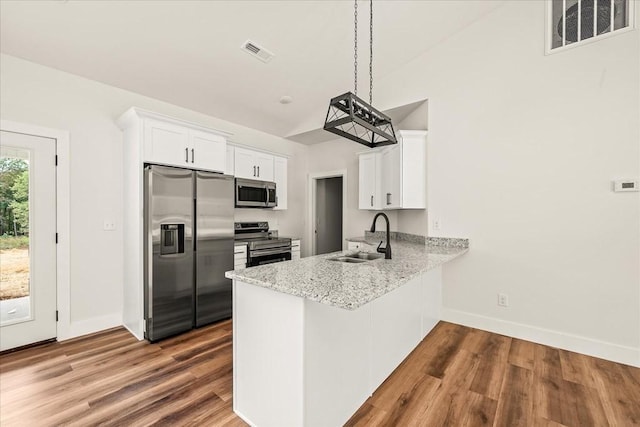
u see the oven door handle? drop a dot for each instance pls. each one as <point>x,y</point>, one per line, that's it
<point>263,252</point>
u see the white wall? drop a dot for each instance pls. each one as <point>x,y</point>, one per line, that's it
<point>342,154</point>
<point>43,96</point>
<point>522,151</point>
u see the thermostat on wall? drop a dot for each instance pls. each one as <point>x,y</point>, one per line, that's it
<point>625,185</point>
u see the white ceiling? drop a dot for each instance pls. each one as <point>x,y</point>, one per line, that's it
<point>188,52</point>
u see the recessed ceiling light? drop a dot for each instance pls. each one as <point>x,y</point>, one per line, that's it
<point>286,99</point>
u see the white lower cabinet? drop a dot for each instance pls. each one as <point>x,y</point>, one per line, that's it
<point>396,327</point>
<point>323,361</point>
<point>295,249</point>
<point>239,257</point>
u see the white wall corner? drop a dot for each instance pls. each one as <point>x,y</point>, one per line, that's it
<point>579,344</point>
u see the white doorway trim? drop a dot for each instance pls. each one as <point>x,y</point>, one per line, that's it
<point>311,208</point>
<point>63,288</point>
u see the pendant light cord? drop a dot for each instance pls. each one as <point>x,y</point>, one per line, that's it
<point>355,50</point>
<point>370,52</point>
<point>355,47</point>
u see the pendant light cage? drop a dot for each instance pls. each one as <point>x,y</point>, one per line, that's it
<point>350,116</point>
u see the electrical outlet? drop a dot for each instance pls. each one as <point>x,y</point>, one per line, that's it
<point>436,224</point>
<point>503,300</point>
<point>109,225</point>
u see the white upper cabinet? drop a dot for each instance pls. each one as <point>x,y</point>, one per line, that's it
<point>166,143</point>
<point>369,181</point>
<point>230,167</point>
<point>394,176</point>
<point>391,159</point>
<point>264,166</point>
<point>175,145</point>
<point>253,164</point>
<point>280,178</point>
<point>208,151</point>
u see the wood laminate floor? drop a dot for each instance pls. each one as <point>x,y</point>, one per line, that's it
<point>457,376</point>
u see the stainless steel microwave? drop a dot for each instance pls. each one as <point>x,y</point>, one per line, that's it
<point>251,193</point>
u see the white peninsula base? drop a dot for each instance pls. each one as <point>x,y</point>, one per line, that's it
<point>298,362</point>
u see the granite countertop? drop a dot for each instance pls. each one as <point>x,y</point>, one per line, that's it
<point>347,285</point>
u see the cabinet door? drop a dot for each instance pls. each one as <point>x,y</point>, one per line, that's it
<point>230,166</point>
<point>244,164</point>
<point>280,178</point>
<point>264,164</point>
<point>414,170</point>
<point>369,181</point>
<point>391,159</point>
<point>208,151</point>
<point>165,143</point>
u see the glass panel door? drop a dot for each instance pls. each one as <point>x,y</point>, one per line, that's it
<point>27,239</point>
<point>15,263</point>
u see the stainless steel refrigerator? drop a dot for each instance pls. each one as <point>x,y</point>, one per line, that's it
<point>188,247</point>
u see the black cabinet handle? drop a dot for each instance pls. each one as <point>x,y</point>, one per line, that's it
<point>371,201</point>
<point>186,155</point>
<point>193,155</point>
<point>388,198</point>
<point>254,171</point>
<point>258,171</point>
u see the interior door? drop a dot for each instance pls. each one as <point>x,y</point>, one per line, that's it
<point>28,243</point>
<point>328,215</point>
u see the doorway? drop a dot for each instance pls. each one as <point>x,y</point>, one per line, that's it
<point>27,239</point>
<point>327,206</point>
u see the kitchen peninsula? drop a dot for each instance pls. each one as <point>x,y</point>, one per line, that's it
<point>314,338</point>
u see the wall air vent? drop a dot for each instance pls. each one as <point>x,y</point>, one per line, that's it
<point>256,51</point>
<point>576,22</point>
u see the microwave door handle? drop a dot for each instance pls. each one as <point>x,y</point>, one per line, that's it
<point>266,194</point>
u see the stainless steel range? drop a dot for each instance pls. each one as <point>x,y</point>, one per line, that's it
<point>262,246</point>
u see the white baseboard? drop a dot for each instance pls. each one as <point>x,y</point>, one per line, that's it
<point>575,343</point>
<point>92,325</point>
<point>134,333</point>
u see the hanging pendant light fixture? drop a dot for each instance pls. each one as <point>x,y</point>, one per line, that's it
<point>350,116</point>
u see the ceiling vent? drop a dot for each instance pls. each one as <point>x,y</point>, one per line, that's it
<point>256,51</point>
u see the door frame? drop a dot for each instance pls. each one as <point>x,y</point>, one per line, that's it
<point>63,288</point>
<point>311,208</point>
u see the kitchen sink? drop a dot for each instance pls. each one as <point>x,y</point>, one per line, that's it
<point>347,259</point>
<point>369,256</point>
<point>357,258</point>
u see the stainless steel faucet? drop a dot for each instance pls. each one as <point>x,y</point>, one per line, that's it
<point>386,250</point>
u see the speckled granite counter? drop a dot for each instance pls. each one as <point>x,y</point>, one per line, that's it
<point>346,285</point>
